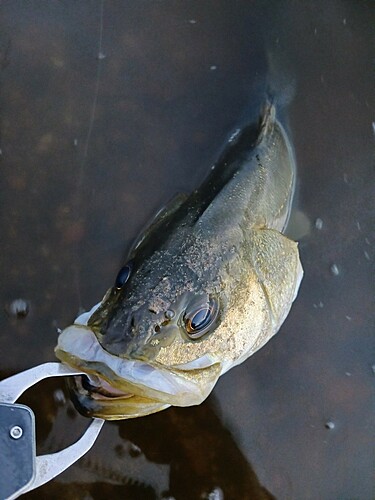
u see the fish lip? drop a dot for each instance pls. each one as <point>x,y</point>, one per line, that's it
<point>83,318</point>
<point>98,388</point>
<point>79,347</point>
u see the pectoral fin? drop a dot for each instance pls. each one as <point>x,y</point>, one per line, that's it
<point>279,270</point>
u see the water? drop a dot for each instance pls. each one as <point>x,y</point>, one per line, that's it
<point>108,110</point>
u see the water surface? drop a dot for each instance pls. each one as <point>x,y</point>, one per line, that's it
<point>109,109</point>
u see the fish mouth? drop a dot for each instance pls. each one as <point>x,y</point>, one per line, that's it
<point>119,388</point>
<point>95,397</point>
<point>99,388</point>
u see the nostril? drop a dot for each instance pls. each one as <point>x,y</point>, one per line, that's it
<point>157,328</point>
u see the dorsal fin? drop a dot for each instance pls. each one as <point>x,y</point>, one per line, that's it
<point>171,207</point>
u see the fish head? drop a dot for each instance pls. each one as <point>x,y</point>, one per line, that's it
<point>166,335</point>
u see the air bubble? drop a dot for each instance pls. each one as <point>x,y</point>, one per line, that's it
<point>319,305</point>
<point>318,223</point>
<point>169,314</point>
<point>216,494</point>
<point>329,425</point>
<point>334,270</point>
<point>18,308</point>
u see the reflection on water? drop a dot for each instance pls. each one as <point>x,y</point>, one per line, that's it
<point>105,114</point>
<point>180,453</point>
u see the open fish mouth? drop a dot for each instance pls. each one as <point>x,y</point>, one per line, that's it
<point>99,389</point>
<point>95,397</point>
<point>119,388</point>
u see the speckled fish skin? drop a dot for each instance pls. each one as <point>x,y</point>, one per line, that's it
<point>223,245</point>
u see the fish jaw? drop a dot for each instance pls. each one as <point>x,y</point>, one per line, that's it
<point>92,404</point>
<point>121,388</point>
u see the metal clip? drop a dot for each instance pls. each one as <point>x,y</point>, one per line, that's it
<point>45,467</point>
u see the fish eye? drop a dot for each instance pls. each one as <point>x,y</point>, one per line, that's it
<point>123,276</point>
<point>198,320</point>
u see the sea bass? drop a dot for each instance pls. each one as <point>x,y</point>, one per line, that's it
<point>208,284</point>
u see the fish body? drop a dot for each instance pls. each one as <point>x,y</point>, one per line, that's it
<point>209,283</point>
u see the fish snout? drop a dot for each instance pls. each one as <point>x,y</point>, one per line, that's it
<point>115,332</point>
<point>136,335</point>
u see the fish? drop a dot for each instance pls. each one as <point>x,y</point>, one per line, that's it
<point>206,286</point>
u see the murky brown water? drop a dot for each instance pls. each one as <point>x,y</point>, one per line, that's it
<point>104,115</point>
